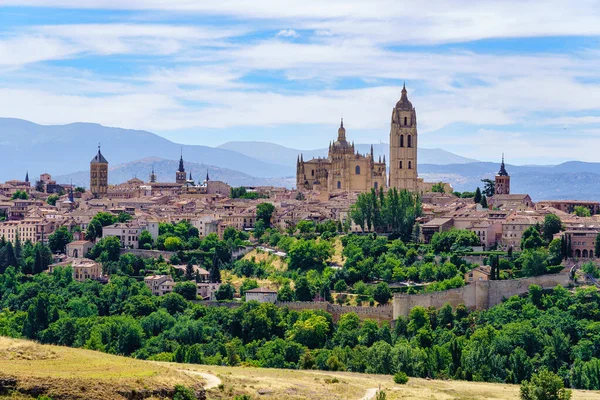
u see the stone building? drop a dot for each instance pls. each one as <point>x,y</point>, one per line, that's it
<point>99,175</point>
<point>344,169</point>
<point>502,181</point>
<point>403,145</point>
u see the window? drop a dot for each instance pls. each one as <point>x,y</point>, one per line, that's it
<point>339,185</point>
<point>375,185</point>
<point>312,172</point>
<point>401,140</point>
<point>410,165</point>
<point>405,121</point>
<point>357,170</point>
<point>409,140</point>
<point>400,164</point>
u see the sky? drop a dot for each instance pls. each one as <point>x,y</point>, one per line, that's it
<point>485,77</point>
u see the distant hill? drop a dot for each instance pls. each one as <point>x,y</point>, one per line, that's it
<point>165,171</point>
<point>570,180</point>
<point>62,149</point>
<point>277,154</point>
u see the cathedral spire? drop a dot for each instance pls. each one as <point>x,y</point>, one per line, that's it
<point>27,177</point>
<point>372,152</point>
<point>181,168</point>
<point>342,132</point>
<point>502,171</point>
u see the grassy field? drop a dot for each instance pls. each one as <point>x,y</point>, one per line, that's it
<point>81,374</point>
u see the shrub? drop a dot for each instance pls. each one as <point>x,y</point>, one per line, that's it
<point>400,378</point>
<point>380,395</point>
<point>544,385</point>
<point>183,393</point>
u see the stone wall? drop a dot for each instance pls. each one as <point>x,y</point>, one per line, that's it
<point>379,314</point>
<point>149,253</point>
<point>479,295</point>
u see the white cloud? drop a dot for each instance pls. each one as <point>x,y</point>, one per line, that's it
<point>289,33</point>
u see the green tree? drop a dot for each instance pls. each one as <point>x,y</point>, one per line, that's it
<point>173,243</point>
<point>186,289</point>
<point>438,187</point>
<point>544,385</point>
<point>534,262</point>
<point>215,269</point>
<point>145,240</point>
<point>304,292</point>
<point>582,211</point>
<point>285,293</point>
<point>248,284</point>
<point>484,202</point>
<point>52,199</point>
<point>225,292</point>
<point>94,230</point>
<point>555,254</point>
<point>264,212</point>
<point>531,239</point>
<point>310,330</point>
<point>382,293</point>
<point>552,225</point>
<point>477,197</point>
<point>20,195</point>
<point>489,188</point>
<point>308,254</point>
<point>259,229</point>
<point>59,239</point>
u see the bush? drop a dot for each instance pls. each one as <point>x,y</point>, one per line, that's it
<point>183,393</point>
<point>544,385</point>
<point>400,378</point>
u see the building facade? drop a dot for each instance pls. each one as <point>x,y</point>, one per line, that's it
<point>344,169</point>
<point>403,145</point>
<point>99,175</point>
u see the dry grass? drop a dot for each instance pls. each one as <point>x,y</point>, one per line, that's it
<point>77,373</point>
<point>337,257</point>
<point>276,262</point>
<point>92,375</point>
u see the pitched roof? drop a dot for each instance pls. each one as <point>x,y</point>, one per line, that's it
<point>99,159</point>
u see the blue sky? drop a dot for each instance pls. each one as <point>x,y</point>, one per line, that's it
<point>485,77</point>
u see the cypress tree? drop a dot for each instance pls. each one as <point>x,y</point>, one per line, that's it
<point>215,272</point>
<point>484,203</point>
<point>477,197</point>
<point>9,255</point>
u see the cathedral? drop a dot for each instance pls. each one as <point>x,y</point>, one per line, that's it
<point>344,169</point>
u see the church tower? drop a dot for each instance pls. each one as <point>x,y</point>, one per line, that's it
<point>403,145</point>
<point>180,176</point>
<point>152,176</point>
<point>502,185</point>
<point>99,175</point>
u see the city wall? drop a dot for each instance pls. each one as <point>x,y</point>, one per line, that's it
<point>478,295</point>
<point>149,253</point>
<point>379,314</point>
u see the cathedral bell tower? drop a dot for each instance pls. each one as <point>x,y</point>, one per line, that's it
<point>180,176</point>
<point>403,145</point>
<point>99,175</point>
<point>502,181</point>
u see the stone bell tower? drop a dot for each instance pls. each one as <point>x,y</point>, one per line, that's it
<point>403,145</point>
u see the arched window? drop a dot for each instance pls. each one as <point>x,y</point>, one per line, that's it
<point>585,253</point>
<point>339,185</point>
<point>591,253</point>
<point>409,141</point>
<point>400,164</point>
<point>357,170</point>
<point>405,121</point>
<point>410,165</point>
<point>401,140</point>
<point>375,185</point>
<point>578,253</point>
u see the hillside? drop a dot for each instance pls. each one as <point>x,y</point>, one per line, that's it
<point>62,149</point>
<point>68,373</point>
<point>571,180</point>
<point>277,154</point>
<point>165,171</point>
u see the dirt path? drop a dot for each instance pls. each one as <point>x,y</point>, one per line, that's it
<point>370,395</point>
<point>212,381</point>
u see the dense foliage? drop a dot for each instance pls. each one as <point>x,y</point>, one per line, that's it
<point>554,330</point>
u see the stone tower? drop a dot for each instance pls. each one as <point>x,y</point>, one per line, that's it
<point>502,185</point>
<point>152,176</point>
<point>99,175</point>
<point>180,176</point>
<point>403,145</point>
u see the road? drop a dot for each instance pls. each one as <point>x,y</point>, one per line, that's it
<point>212,381</point>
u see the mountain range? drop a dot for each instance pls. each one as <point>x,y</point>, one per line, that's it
<point>65,151</point>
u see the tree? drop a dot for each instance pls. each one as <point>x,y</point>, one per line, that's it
<point>534,262</point>
<point>308,254</point>
<point>189,271</point>
<point>382,293</point>
<point>531,239</point>
<point>285,293</point>
<point>20,195</point>
<point>304,291</point>
<point>94,230</point>
<point>477,197</point>
<point>484,202</point>
<point>552,225</point>
<point>416,233</point>
<point>59,239</point>
<point>264,212</point>
<point>259,229</point>
<point>186,289</point>
<point>145,240</point>
<point>124,217</point>
<point>52,199</point>
<point>215,271</point>
<point>582,211</point>
<point>225,292</point>
<point>438,187</point>
<point>555,252</point>
<point>39,186</point>
<point>489,188</point>
<point>173,243</point>
<point>544,385</point>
